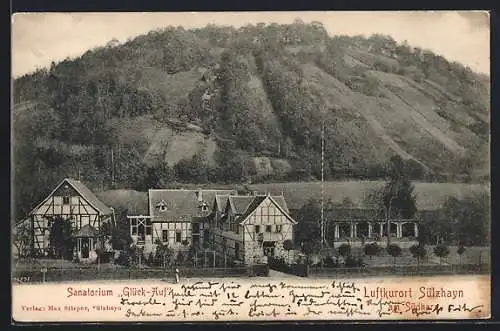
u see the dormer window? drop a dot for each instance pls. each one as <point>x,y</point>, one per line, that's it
<point>162,206</point>
<point>204,206</point>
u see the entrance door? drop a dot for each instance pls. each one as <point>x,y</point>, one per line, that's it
<point>269,248</point>
<point>141,233</point>
<point>85,248</point>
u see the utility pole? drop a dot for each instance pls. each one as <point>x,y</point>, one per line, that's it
<point>322,183</point>
<point>112,167</point>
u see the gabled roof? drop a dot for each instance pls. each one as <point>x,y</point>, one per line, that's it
<point>181,204</point>
<point>257,201</point>
<point>220,201</point>
<point>134,202</point>
<point>89,196</point>
<point>84,192</point>
<point>240,203</point>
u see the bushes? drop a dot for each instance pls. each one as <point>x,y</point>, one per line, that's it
<point>344,250</point>
<point>441,251</point>
<point>104,256</point>
<point>352,262</point>
<point>394,251</point>
<point>418,252</point>
<point>123,259</point>
<point>372,249</point>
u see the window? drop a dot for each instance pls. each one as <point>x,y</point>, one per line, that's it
<point>204,207</point>
<point>133,226</point>
<point>162,206</point>
<point>278,228</point>
<point>66,200</point>
<point>164,234</point>
<point>178,236</point>
<point>148,226</point>
<point>257,229</point>
<point>196,228</point>
<point>268,228</point>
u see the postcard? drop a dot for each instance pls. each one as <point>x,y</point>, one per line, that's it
<point>250,166</point>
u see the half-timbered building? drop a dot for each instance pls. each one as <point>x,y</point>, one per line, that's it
<point>177,217</point>
<point>248,228</point>
<point>71,200</point>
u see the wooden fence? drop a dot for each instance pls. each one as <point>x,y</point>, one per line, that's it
<point>93,273</point>
<point>401,270</point>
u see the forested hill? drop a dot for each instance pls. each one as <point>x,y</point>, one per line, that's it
<point>223,104</point>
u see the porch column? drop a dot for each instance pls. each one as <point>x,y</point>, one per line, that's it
<point>415,229</point>
<point>337,231</point>
<point>369,229</point>
<point>381,229</point>
<point>398,230</point>
<point>351,232</point>
<point>355,227</point>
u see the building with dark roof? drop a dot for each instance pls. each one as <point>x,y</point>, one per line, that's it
<point>70,200</point>
<point>248,228</point>
<point>176,217</point>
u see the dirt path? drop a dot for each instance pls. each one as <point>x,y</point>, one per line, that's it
<point>273,274</point>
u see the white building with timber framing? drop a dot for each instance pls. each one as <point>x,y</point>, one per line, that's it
<point>73,201</point>
<point>177,217</point>
<point>247,228</point>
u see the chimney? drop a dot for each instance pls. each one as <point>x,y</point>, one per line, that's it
<point>199,194</point>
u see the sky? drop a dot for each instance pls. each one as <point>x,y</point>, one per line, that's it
<point>40,38</point>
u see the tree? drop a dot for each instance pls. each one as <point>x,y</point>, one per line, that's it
<point>120,234</point>
<point>288,246</point>
<point>372,249</point>
<point>163,254</point>
<point>394,251</point>
<point>22,239</point>
<point>460,251</point>
<point>465,221</point>
<point>181,258</point>
<point>418,252</point>
<point>344,250</point>
<point>441,251</point>
<point>193,170</point>
<point>60,240</point>
<point>136,255</point>
<point>397,198</point>
<point>308,229</point>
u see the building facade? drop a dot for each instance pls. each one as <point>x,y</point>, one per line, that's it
<point>71,200</point>
<point>248,228</point>
<point>359,226</point>
<point>177,217</point>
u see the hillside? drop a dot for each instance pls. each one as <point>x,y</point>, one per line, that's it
<point>349,194</point>
<point>221,105</point>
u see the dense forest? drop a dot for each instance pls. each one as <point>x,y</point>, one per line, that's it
<point>220,104</point>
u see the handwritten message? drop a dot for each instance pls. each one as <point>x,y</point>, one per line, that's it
<point>255,299</point>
